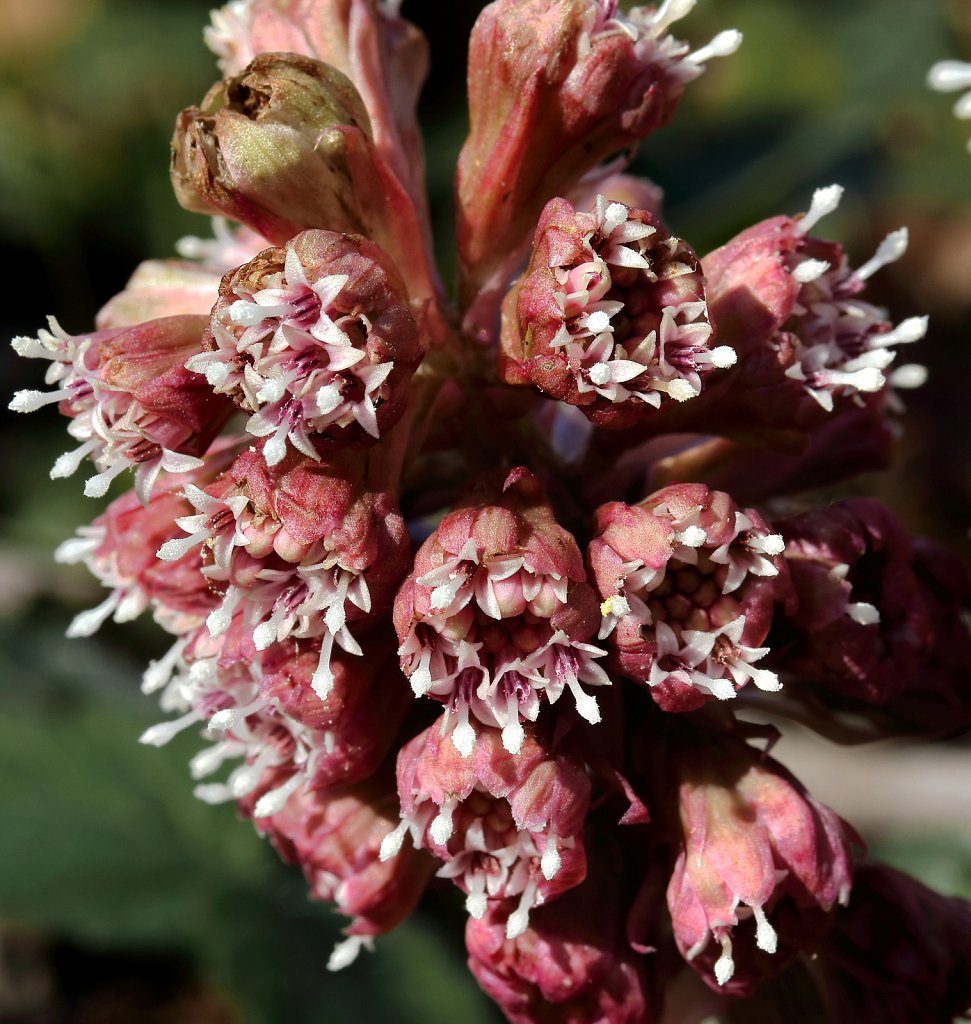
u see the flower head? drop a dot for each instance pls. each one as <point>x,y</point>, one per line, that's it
<point>315,341</point>
<point>496,617</point>
<point>507,827</point>
<point>688,581</point>
<point>610,314</point>
<point>131,402</point>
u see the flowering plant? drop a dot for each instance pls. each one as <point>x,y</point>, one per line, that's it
<point>389,531</point>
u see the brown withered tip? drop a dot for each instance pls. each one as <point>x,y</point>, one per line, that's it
<point>264,147</point>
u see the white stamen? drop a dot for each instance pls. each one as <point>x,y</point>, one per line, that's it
<point>771,544</point>
<point>67,464</point>
<point>275,800</point>
<point>159,672</point>
<point>31,401</point>
<point>89,622</point>
<point>587,707</point>
<point>442,829</point>
<point>345,953</point>
<point>599,374</point>
<point>518,920</point>
<point>681,390</point>
<point>912,329</point>
<point>213,793</point>
<point>692,537</point>
<point>550,862</point>
<point>393,841</point>
<point>208,760</point>
<point>911,375</point>
<point>949,76</point>
<point>670,12</point>
<point>598,321</point>
<point>825,201</point>
<point>475,904</point>
<point>723,356</point>
<point>724,44</point>
<point>962,109</point>
<point>864,613</point>
<point>724,965</point>
<point>888,251</point>
<point>513,734</point>
<point>463,738</point>
<point>230,718</point>
<point>174,549</point>
<point>616,604</point>
<point>809,270</point>
<point>765,935</point>
<point>159,735</point>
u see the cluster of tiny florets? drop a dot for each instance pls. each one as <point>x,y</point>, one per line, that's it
<point>476,590</point>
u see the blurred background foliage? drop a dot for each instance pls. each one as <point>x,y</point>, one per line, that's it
<point>121,897</point>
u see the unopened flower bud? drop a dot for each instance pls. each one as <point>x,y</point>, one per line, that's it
<point>753,841</point>
<point>286,145</point>
<point>382,54</point>
<point>610,315</point>
<point>555,87</point>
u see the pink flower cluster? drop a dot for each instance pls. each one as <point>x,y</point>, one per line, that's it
<point>475,591</point>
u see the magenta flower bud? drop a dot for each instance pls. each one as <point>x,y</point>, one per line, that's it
<point>610,315</point>
<point>878,619</point>
<point>689,582</point>
<point>556,87</point>
<point>898,953</point>
<point>131,402</point>
<point>335,838</point>
<point>508,827</point>
<point>286,145</point>
<point>315,341</point>
<point>382,54</point>
<point>497,614</point>
<point>792,307</point>
<point>754,845</point>
<point>572,963</point>
<point>299,551</point>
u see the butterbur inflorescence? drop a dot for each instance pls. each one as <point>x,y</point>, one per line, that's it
<point>428,605</point>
